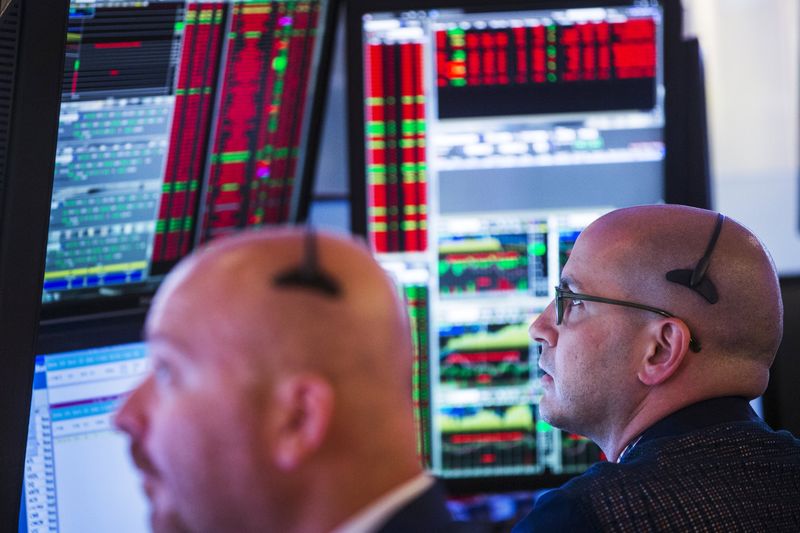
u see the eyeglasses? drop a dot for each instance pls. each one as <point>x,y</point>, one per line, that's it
<point>564,294</point>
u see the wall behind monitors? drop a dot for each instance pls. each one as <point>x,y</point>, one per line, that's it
<point>180,121</point>
<point>483,140</point>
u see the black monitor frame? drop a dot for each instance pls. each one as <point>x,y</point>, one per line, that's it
<point>782,395</point>
<point>139,295</point>
<point>80,333</point>
<point>677,188</point>
<point>31,61</point>
<point>688,171</point>
<point>313,121</point>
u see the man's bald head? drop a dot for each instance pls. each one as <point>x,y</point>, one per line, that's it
<point>634,248</point>
<point>233,286</point>
<point>266,393</point>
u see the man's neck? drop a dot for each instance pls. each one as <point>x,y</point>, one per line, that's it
<point>677,418</point>
<point>643,415</point>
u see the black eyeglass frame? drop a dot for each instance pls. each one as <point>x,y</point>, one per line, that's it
<point>565,294</point>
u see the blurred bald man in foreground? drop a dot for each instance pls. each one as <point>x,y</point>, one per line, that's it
<point>280,394</point>
<point>665,324</point>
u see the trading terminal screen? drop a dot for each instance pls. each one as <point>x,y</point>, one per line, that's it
<point>78,473</point>
<point>180,121</point>
<point>490,138</point>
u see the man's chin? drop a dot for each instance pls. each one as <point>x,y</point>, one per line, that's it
<point>559,419</point>
<point>548,412</point>
<point>166,522</point>
<point>163,516</point>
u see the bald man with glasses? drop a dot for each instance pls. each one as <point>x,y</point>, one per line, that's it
<point>664,326</point>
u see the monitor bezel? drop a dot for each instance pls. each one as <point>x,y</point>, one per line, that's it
<point>308,152</point>
<point>34,55</point>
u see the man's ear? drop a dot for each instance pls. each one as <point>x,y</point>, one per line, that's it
<point>303,410</point>
<point>669,344</point>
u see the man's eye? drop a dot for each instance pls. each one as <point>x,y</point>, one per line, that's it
<point>573,302</point>
<point>163,374</point>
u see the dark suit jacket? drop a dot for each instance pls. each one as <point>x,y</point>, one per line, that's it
<point>426,513</point>
<point>713,466</point>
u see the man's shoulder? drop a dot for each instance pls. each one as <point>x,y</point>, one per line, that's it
<point>723,442</point>
<point>425,513</point>
<point>566,508</point>
<point>730,451</point>
<point>719,473</point>
<point>660,477</point>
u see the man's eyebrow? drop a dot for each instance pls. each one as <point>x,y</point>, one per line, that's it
<point>159,339</point>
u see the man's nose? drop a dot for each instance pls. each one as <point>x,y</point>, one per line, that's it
<point>131,414</point>
<point>543,329</point>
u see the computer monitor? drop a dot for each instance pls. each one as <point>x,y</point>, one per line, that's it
<point>31,56</point>
<point>180,121</point>
<point>79,476</point>
<point>484,138</point>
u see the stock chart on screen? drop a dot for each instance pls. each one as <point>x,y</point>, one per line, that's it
<point>180,121</point>
<point>486,140</point>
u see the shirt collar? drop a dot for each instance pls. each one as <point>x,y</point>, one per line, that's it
<point>379,511</point>
<point>696,416</point>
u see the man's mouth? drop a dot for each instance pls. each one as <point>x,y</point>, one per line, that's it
<point>149,486</point>
<point>149,478</point>
<point>143,463</point>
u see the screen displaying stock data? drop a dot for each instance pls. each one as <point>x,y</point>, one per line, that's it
<point>180,121</point>
<point>78,473</point>
<point>486,140</point>
<point>476,387</point>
